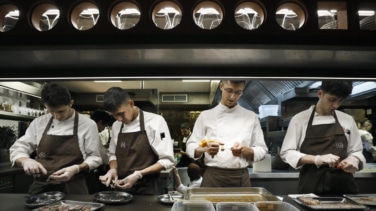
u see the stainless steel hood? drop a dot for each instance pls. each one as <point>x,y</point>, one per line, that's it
<point>274,92</point>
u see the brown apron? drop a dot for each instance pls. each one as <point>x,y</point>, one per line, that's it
<point>221,177</point>
<point>57,152</point>
<point>325,139</point>
<point>133,152</point>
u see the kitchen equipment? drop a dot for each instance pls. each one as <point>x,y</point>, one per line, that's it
<point>43,199</point>
<point>365,199</point>
<point>71,205</point>
<point>169,198</point>
<point>230,194</point>
<point>331,203</point>
<point>238,206</point>
<point>275,206</point>
<point>113,197</point>
<point>199,205</point>
<point>264,165</point>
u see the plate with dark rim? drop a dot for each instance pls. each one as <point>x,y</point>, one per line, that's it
<point>113,197</point>
<point>44,198</point>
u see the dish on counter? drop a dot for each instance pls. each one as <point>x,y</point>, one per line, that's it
<point>275,206</point>
<point>44,198</point>
<point>243,194</point>
<point>171,197</point>
<point>165,198</point>
<point>365,199</point>
<point>328,203</point>
<point>71,205</point>
<point>113,197</point>
<point>235,206</point>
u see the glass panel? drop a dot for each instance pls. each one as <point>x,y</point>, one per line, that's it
<point>332,15</point>
<point>85,16</point>
<point>9,15</point>
<point>125,15</point>
<point>208,15</point>
<point>367,19</point>
<point>249,15</point>
<point>45,17</point>
<point>167,15</point>
<point>290,16</point>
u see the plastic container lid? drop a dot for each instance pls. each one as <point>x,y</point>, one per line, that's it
<point>238,206</point>
<point>275,206</point>
<point>188,205</point>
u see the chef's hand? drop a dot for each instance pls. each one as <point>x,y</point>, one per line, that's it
<point>110,176</point>
<point>214,147</point>
<point>350,164</point>
<point>129,181</point>
<point>64,174</point>
<point>33,168</point>
<point>328,159</point>
<point>237,149</point>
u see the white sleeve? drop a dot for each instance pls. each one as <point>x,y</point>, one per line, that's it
<point>162,144</point>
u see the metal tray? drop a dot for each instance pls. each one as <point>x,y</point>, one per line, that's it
<point>165,198</point>
<point>365,199</point>
<point>43,199</point>
<point>72,205</point>
<point>244,194</point>
<point>333,203</point>
<point>113,197</point>
<point>275,206</point>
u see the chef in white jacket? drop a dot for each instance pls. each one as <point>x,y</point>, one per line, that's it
<point>235,139</point>
<point>325,144</point>
<point>65,142</point>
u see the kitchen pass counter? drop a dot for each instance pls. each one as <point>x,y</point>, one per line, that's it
<point>16,202</point>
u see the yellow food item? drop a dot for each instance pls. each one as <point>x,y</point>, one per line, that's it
<point>203,143</point>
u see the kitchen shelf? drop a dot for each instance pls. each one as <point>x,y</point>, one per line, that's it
<point>12,116</point>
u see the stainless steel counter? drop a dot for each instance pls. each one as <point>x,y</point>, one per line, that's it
<point>15,202</point>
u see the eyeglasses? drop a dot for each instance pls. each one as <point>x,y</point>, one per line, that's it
<point>231,91</point>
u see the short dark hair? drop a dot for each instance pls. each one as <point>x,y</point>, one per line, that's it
<point>55,95</point>
<point>99,114</point>
<point>339,88</point>
<point>234,81</point>
<point>194,171</point>
<point>114,97</point>
<point>184,125</point>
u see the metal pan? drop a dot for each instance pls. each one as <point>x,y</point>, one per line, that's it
<point>71,205</point>
<point>243,194</point>
<point>113,197</point>
<point>333,203</point>
<point>43,199</point>
<point>365,199</point>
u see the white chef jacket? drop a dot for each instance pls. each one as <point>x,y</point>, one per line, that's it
<point>295,134</point>
<point>157,132</point>
<point>87,137</point>
<point>194,184</point>
<point>367,140</point>
<point>228,125</point>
